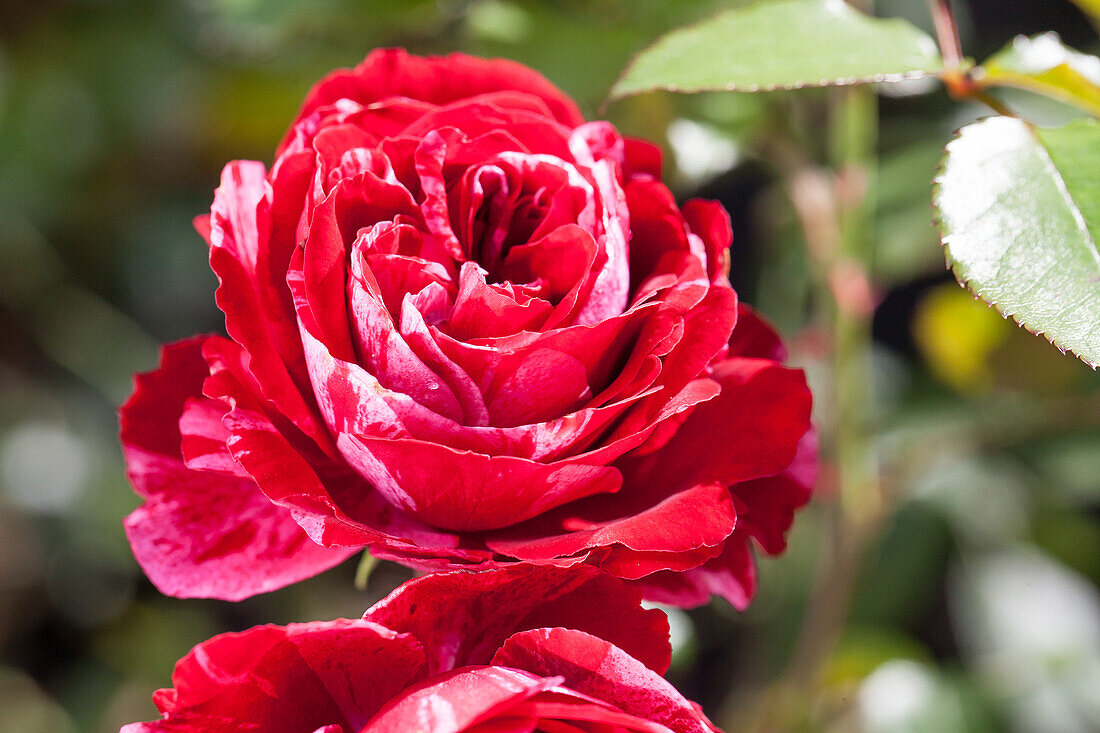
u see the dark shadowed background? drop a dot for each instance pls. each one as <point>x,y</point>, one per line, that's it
<point>976,606</point>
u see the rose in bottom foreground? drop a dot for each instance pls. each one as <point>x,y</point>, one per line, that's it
<point>522,649</point>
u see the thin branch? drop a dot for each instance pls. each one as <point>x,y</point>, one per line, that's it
<point>992,102</point>
<point>957,77</point>
<point>947,33</point>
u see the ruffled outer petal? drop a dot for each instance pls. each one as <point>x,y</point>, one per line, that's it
<point>599,669</point>
<point>730,575</point>
<point>332,503</point>
<point>439,485</point>
<point>393,72</point>
<point>249,253</point>
<point>301,677</point>
<point>765,505</point>
<point>457,700</point>
<point>675,511</point>
<point>682,531</point>
<point>462,618</point>
<point>754,337</point>
<point>765,511</point>
<point>502,700</point>
<point>188,549</point>
<point>750,430</point>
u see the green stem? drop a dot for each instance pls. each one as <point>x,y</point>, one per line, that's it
<point>947,33</point>
<point>992,102</point>
<point>957,76</point>
<point>846,440</point>
<point>854,131</point>
<point>367,564</point>
<point>843,261</point>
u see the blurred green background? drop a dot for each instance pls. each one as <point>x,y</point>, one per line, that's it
<point>975,606</point>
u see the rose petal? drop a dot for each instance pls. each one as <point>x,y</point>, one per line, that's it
<point>203,437</point>
<point>453,701</point>
<point>754,337</point>
<point>462,618</point>
<point>485,310</point>
<point>354,204</point>
<point>730,575</point>
<point>641,158</point>
<point>311,486</point>
<point>750,430</point>
<point>597,668</point>
<point>766,506</point>
<point>248,546</point>
<point>493,364</point>
<point>242,249</point>
<point>468,491</point>
<point>688,527</point>
<point>388,73</point>
<point>711,223</point>
<point>656,227</point>
<point>386,357</point>
<point>300,677</point>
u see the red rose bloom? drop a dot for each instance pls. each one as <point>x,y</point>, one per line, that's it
<point>466,328</point>
<point>506,650</point>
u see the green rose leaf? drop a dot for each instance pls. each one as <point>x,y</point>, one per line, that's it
<point>782,44</point>
<point>1042,64</point>
<point>1019,214</point>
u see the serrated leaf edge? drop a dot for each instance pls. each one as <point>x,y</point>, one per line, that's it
<point>614,95</point>
<point>954,265</point>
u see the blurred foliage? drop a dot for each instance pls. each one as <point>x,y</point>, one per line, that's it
<point>976,603</point>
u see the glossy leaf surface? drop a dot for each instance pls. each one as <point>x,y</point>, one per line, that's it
<point>782,44</point>
<point>1019,213</point>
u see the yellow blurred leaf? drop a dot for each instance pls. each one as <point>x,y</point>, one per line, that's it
<point>1043,64</point>
<point>1091,7</point>
<point>957,335</point>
